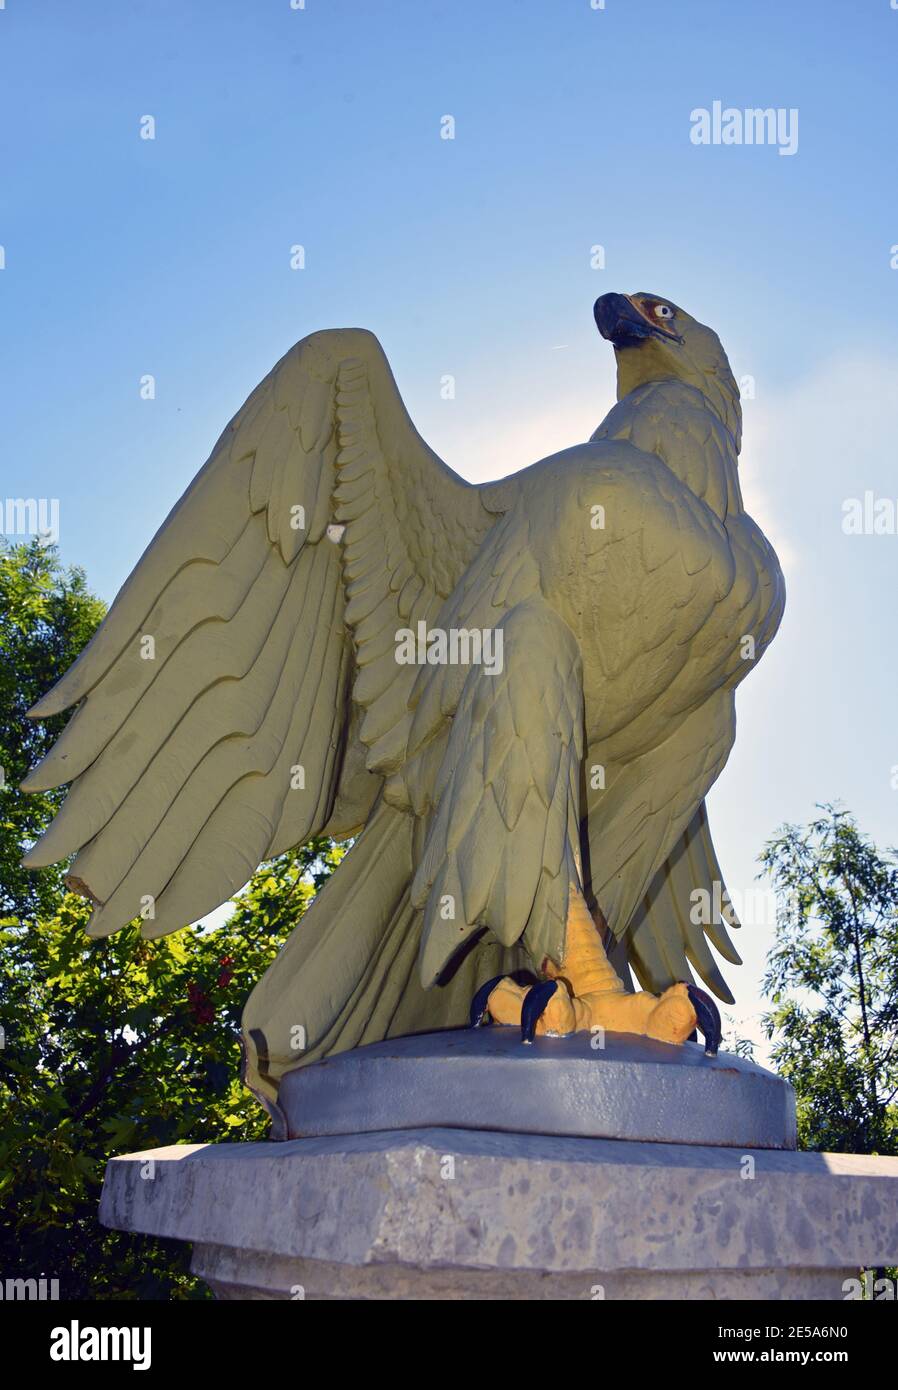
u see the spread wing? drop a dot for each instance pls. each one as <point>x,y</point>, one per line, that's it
<point>238,697</point>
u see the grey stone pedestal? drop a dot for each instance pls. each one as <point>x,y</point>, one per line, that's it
<point>464,1165</point>
<point>448,1213</point>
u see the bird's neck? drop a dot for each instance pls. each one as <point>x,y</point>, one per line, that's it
<point>675,422</point>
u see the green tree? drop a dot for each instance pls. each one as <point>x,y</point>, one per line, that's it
<point>121,1045</point>
<point>832,977</point>
<point>47,616</point>
<point>112,1045</point>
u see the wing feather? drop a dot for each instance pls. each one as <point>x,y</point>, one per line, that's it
<point>498,845</point>
<point>216,701</point>
<point>650,849</point>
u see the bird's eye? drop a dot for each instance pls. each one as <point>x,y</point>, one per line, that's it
<point>663,311</point>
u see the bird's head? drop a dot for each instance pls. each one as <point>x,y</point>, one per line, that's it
<point>655,340</point>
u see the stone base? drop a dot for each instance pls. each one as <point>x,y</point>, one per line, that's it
<point>606,1086</point>
<point>462,1214</point>
<point>248,1275</point>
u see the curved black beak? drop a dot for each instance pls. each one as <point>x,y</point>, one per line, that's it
<point>618,320</point>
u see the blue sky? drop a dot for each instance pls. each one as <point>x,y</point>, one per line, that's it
<point>321,127</point>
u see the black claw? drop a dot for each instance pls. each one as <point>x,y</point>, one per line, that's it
<point>481,998</point>
<point>707,1016</point>
<point>534,1006</point>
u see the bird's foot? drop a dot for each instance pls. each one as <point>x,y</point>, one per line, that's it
<point>552,1008</point>
<point>585,993</point>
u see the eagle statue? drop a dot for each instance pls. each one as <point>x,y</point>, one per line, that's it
<point>301,651</point>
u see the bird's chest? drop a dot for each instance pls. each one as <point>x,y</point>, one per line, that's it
<point>643,675</point>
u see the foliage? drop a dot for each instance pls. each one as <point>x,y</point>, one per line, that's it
<point>46,616</point>
<point>832,977</point>
<point>115,1045</point>
<point>120,1045</point>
